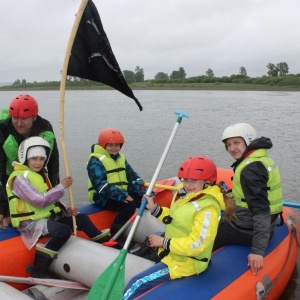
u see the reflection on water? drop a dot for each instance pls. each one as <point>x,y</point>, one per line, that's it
<point>273,114</point>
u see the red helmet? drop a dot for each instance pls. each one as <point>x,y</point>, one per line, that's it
<point>198,167</point>
<point>23,106</point>
<point>110,136</point>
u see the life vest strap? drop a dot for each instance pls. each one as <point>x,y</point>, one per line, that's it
<point>116,170</point>
<point>23,214</point>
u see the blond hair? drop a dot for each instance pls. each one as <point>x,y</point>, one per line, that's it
<point>230,205</point>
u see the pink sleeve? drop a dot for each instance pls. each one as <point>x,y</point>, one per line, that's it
<point>24,190</point>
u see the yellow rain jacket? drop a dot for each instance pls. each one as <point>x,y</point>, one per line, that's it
<point>192,231</point>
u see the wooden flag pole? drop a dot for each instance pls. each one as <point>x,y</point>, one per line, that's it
<point>62,99</point>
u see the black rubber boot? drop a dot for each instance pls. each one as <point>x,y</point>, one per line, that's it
<point>144,249</point>
<point>152,255</point>
<point>42,262</point>
<point>115,228</point>
<point>121,239</point>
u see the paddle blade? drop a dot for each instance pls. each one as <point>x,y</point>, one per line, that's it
<point>67,284</point>
<point>110,284</point>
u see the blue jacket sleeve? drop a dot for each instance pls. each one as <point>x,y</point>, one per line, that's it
<point>132,177</point>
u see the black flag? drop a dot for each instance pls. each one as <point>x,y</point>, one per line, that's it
<point>92,57</point>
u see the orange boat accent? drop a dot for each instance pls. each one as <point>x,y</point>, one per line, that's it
<point>15,258</point>
<point>278,268</point>
<point>226,176</point>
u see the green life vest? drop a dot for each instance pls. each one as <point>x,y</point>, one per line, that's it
<point>20,210</point>
<point>115,170</point>
<point>11,146</point>
<point>273,184</point>
<point>4,114</point>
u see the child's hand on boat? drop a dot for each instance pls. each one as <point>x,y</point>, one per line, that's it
<point>155,240</point>
<point>67,181</point>
<point>255,262</point>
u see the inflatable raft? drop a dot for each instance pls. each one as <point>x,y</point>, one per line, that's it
<point>82,261</point>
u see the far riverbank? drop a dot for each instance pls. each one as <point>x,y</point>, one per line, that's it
<point>151,85</point>
<point>159,88</point>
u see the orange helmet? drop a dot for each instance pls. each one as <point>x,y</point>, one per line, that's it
<point>110,136</point>
<point>23,106</point>
<point>198,167</point>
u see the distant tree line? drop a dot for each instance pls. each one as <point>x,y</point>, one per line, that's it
<point>279,70</point>
<point>136,76</point>
<point>276,75</point>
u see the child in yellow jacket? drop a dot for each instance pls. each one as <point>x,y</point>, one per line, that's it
<point>191,226</point>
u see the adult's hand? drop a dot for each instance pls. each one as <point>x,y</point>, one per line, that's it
<point>255,262</point>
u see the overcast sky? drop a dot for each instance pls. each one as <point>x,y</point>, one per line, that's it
<point>156,35</point>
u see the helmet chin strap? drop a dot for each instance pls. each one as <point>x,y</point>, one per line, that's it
<point>206,184</point>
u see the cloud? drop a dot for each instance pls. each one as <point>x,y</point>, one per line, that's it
<point>158,36</point>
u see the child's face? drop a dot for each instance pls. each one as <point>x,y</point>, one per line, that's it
<point>236,146</point>
<point>36,163</point>
<point>113,149</point>
<point>193,185</point>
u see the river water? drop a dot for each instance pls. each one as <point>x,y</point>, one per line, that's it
<point>86,113</point>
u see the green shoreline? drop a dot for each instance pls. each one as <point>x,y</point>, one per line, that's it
<point>275,89</point>
<point>154,86</point>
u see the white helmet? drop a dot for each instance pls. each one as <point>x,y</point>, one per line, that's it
<point>32,142</point>
<point>243,130</point>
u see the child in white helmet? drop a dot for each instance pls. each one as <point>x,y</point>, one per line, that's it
<point>35,209</point>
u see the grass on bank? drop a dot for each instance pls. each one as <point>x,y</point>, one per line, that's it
<point>211,86</point>
<point>150,84</point>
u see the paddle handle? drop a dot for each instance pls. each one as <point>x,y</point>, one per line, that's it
<point>162,186</point>
<point>158,186</point>
<point>180,114</point>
